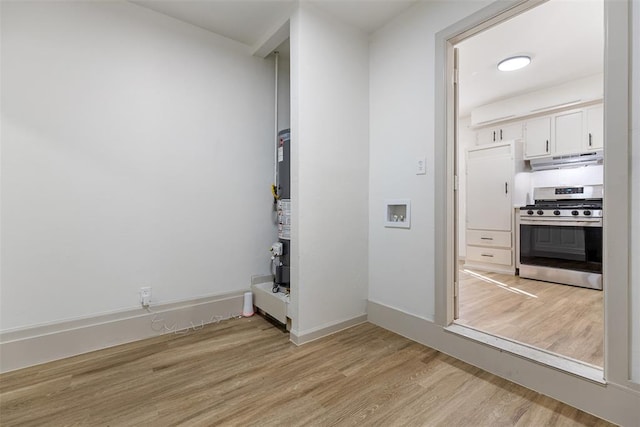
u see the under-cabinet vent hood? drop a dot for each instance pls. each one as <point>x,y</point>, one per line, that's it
<point>568,161</point>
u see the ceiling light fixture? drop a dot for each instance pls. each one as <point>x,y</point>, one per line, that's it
<point>514,63</point>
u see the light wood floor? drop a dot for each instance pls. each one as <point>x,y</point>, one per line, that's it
<point>246,372</point>
<point>563,319</point>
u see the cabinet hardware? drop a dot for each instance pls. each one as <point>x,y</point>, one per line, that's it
<point>494,136</point>
<point>500,134</point>
<point>486,238</point>
<point>547,146</point>
<point>506,188</point>
<point>590,140</point>
<point>487,255</point>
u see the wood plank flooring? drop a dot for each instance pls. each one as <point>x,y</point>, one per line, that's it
<point>245,372</point>
<point>563,319</point>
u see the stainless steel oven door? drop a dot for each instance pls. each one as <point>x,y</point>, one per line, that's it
<point>562,251</point>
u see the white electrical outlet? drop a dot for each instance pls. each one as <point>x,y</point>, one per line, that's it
<point>145,296</point>
<point>421,165</point>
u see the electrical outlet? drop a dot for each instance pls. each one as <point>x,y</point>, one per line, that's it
<point>145,296</point>
<point>421,165</point>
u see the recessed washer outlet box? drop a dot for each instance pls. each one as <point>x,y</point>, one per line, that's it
<point>397,213</point>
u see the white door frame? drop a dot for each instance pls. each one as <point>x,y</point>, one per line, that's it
<point>616,173</point>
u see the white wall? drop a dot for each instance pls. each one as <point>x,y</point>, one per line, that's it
<point>401,262</point>
<point>136,150</point>
<point>329,122</point>
<point>635,197</point>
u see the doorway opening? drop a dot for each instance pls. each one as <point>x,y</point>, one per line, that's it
<point>529,156</point>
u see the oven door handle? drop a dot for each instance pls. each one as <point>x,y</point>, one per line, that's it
<point>560,223</point>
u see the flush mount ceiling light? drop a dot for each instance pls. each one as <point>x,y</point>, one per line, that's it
<point>514,63</point>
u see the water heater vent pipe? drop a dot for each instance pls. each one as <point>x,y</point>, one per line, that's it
<point>275,157</point>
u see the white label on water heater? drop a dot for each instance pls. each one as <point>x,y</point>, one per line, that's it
<point>284,219</point>
<point>280,153</point>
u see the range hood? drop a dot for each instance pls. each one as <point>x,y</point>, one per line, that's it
<point>568,161</point>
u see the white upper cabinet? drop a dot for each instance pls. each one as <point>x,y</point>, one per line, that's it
<point>485,136</point>
<point>569,132</point>
<point>511,131</point>
<point>538,138</point>
<point>595,127</point>
<point>568,135</point>
<point>495,134</point>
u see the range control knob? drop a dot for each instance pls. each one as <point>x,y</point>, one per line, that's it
<point>556,212</point>
<point>586,213</point>
<point>540,212</point>
<point>575,213</point>
<point>529,212</point>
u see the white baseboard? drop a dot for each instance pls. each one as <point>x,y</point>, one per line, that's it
<point>44,343</point>
<point>608,401</point>
<point>299,338</point>
<point>261,278</point>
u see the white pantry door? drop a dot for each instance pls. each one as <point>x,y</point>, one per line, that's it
<point>489,177</point>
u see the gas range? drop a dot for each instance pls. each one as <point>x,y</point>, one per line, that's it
<point>560,236</point>
<point>559,210</point>
<point>577,203</point>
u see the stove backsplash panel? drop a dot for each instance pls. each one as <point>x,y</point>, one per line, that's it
<point>525,182</point>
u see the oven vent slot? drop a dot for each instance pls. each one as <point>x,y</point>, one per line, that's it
<point>568,161</point>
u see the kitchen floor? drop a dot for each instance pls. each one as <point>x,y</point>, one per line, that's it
<point>562,319</point>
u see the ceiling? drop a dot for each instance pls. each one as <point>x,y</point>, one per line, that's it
<point>564,38</point>
<point>368,15</point>
<point>245,21</point>
<point>249,21</point>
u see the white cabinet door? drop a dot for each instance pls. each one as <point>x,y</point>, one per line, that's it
<point>486,136</point>
<point>569,136</point>
<point>489,186</point>
<point>537,141</point>
<point>511,131</point>
<point>595,128</point>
